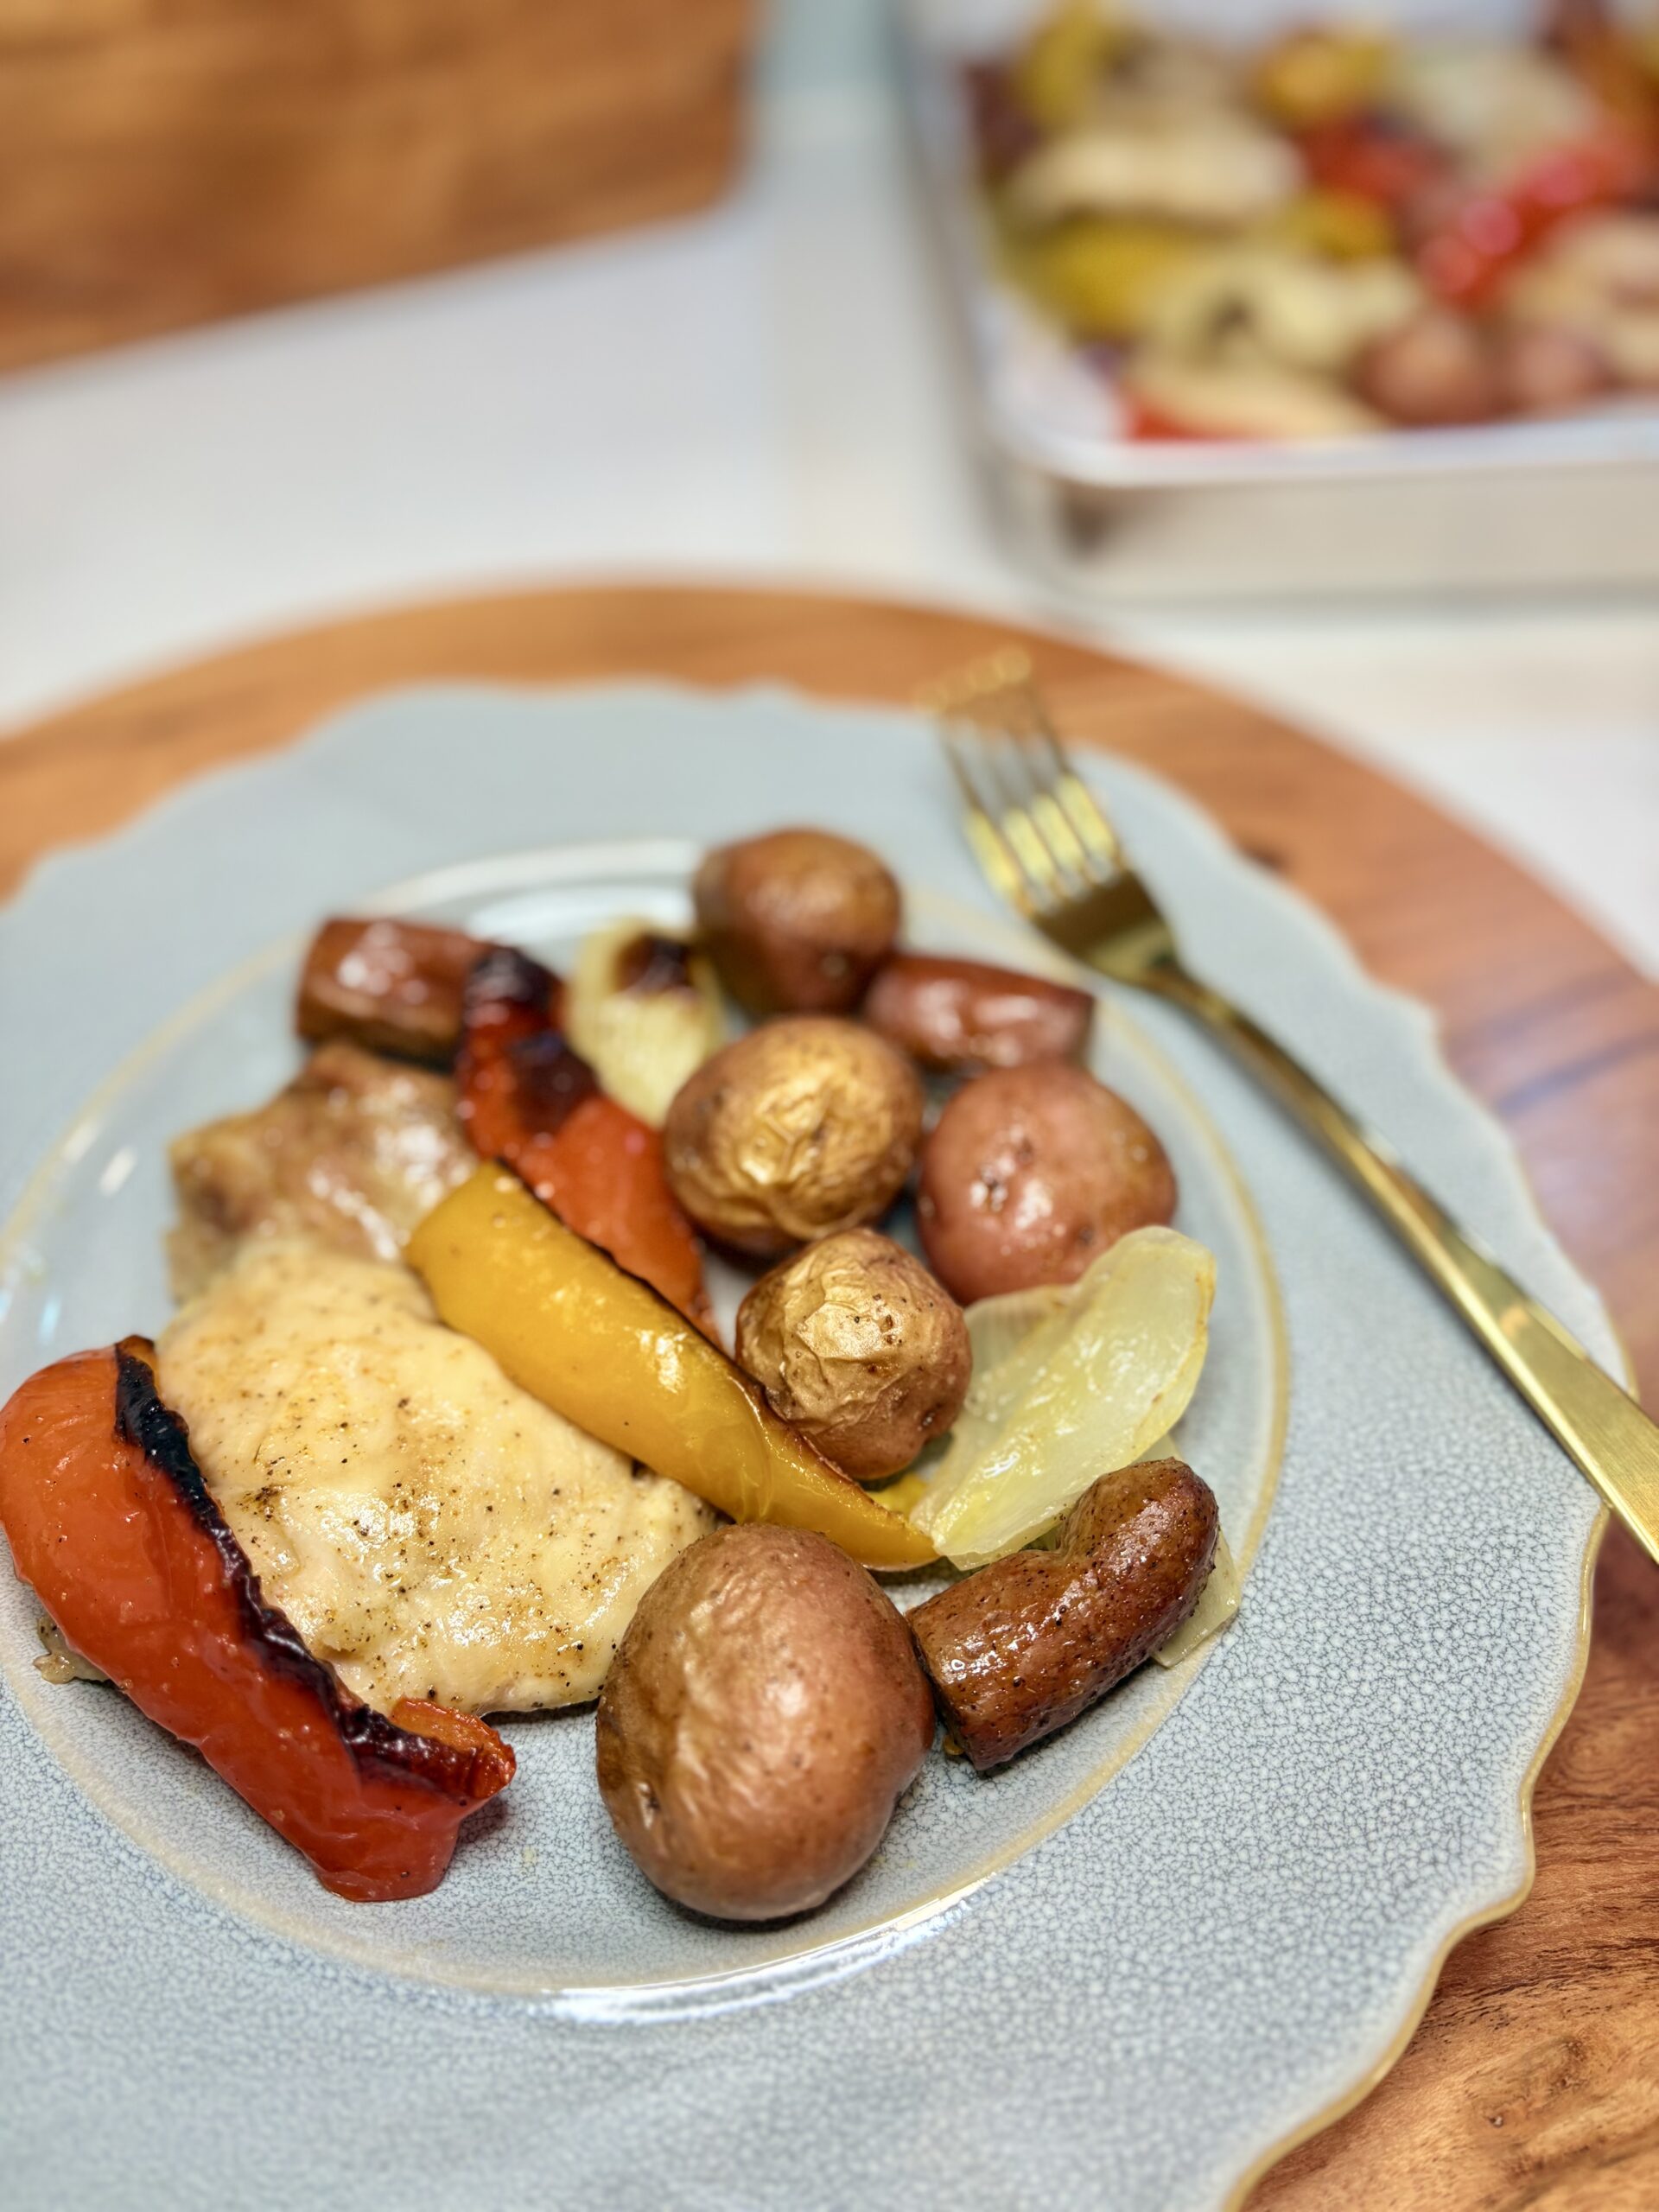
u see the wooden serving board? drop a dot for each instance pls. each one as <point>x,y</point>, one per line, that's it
<point>163,163</point>
<point>1534,2079</point>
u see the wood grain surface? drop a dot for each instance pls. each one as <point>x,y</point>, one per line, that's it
<point>161,164</point>
<point>1533,2080</point>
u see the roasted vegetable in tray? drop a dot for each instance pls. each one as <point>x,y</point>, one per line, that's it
<point>1340,230</point>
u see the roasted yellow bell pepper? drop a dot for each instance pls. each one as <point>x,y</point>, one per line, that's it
<point>1318,76</point>
<point>601,1348</point>
<point>1065,60</point>
<point>1102,275</point>
<point>1342,225</point>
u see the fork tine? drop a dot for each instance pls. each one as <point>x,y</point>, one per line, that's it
<point>1005,768</point>
<point>1083,811</point>
<point>1042,798</point>
<point>997,859</point>
<point>1037,831</point>
<point>1032,823</point>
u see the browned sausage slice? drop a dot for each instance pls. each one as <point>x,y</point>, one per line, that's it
<point>1023,1647</point>
<point>393,986</point>
<point>958,1017</point>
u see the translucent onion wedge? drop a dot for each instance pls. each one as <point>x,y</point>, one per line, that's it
<point>1084,1388</point>
<point>643,1010</point>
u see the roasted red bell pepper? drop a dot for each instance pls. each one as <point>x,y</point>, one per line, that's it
<point>1373,157</point>
<point>526,1099</point>
<point>112,1524</point>
<point>1466,259</point>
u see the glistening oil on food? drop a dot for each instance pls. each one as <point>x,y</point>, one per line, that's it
<point>456,1437</point>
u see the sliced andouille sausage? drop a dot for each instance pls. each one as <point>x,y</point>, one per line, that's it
<point>960,1017</point>
<point>113,1526</point>
<point>393,986</point>
<point>1024,1646</point>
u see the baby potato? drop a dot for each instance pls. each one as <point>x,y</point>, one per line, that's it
<point>763,1714</point>
<point>859,1347</point>
<point>1029,1173</point>
<point>805,1127</point>
<point>797,921</point>
<point>1436,369</point>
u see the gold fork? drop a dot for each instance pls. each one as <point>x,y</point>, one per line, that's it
<point>1047,848</point>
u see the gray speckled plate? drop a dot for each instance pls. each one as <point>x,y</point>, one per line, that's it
<point>1097,1980</point>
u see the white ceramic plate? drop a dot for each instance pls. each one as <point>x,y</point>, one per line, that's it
<point>1087,1981</point>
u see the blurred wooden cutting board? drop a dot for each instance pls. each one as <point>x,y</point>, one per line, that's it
<point>166,162</point>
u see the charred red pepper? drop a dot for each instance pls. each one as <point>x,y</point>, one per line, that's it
<point>1465,260</point>
<point>1373,157</point>
<point>528,1099</point>
<point>110,1523</point>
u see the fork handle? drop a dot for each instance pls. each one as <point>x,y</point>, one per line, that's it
<point>1598,1425</point>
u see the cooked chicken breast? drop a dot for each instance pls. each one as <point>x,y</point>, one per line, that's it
<point>429,1527</point>
<point>352,1153</point>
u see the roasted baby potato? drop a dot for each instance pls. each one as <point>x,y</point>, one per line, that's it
<point>393,985</point>
<point>859,1347</point>
<point>796,922</point>
<point>760,1720</point>
<point>1435,370</point>
<point>642,1010</point>
<point>1020,1649</point>
<point>805,1127</point>
<point>1029,1173</point>
<point>960,1017</point>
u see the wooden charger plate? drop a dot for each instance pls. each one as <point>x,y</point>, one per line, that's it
<point>1534,2078</point>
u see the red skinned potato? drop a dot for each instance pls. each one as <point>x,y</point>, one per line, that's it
<point>762,1716</point>
<point>1436,370</point>
<point>960,1017</point>
<point>1029,1173</point>
<point>1024,1646</point>
<point>1545,370</point>
<point>797,921</point>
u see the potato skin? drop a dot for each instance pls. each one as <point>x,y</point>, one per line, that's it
<point>1024,1646</point>
<point>1029,1174</point>
<point>807,1126</point>
<point>859,1347</point>
<point>960,1017</point>
<point>760,1720</point>
<point>797,921</point>
<point>1435,370</point>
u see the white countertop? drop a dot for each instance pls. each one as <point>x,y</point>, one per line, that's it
<point>761,393</point>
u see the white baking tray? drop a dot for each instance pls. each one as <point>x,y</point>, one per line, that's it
<point>1509,505</point>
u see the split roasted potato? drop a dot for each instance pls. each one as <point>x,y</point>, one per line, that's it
<point>807,1126</point>
<point>859,1347</point>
